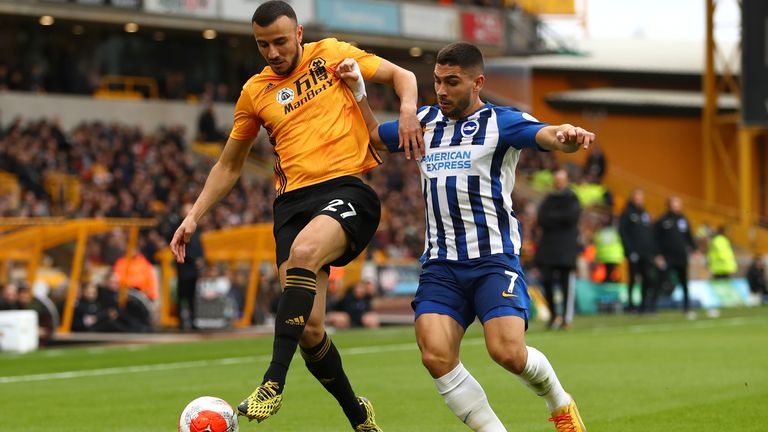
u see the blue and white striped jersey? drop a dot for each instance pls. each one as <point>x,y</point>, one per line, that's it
<point>467,176</point>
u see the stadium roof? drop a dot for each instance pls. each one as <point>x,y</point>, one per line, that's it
<point>625,55</point>
<point>644,101</point>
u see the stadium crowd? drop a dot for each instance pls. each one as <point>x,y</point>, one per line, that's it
<point>126,172</point>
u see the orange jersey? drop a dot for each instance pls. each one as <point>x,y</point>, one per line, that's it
<point>311,117</point>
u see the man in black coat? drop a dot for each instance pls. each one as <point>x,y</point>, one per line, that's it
<point>558,220</point>
<point>636,233</point>
<point>756,279</point>
<point>674,241</point>
<point>187,274</point>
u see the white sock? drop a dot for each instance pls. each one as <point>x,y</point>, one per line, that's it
<point>539,376</point>
<point>466,398</point>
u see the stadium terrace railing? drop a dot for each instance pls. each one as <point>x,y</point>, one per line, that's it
<point>33,236</point>
<point>127,87</point>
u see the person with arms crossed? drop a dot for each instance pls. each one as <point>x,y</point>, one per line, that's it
<point>324,214</point>
<point>636,231</point>
<point>674,242</point>
<point>471,265</point>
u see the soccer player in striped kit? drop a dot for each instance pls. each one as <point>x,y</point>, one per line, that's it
<point>471,265</point>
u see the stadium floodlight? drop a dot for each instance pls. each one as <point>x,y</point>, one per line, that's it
<point>209,34</point>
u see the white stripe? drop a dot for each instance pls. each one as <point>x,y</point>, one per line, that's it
<point>432,224</point>
<point>445,215</point>
<point>462,188</point>
<point>507,185</point>
<point>491,219</point>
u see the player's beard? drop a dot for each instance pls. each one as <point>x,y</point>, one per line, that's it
<point>459,106</point>
<point>293,63</point>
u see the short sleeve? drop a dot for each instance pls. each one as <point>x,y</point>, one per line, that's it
<point>389,135</point>
<point>246,125</point>
<point>369,63</point>
<point>518,129</point>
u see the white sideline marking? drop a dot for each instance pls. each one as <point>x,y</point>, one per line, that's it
<point>640,328</point>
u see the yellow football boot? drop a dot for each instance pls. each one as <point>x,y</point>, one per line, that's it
<point>262,403</point>
<point>369,425</point>
<point>568,419</point>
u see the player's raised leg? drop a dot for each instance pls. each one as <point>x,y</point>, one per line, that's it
<point>324,362</point>
<point>505,340</point>
<point>320,242</point>
<point>439,338</point>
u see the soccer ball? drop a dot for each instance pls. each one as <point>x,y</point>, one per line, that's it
<point>208,414</point>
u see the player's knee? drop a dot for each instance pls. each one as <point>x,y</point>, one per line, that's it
<point>304,256</point>
<point>510,358</point>
<point>438,364</point>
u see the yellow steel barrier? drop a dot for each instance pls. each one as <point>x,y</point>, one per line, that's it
<point>9,186</point>
<point>128,85</point>
<point>63,189</point>
<point>27,244</point>
<point>253,244</point>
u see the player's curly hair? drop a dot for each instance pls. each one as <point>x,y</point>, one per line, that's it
<point>461,54</point>
<point>269,11</point>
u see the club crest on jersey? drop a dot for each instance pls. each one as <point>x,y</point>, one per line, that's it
<point>285,96</point>
<point>470,128</point>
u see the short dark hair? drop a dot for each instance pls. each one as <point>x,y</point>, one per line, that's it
<point>270,11</point>
<point>462,54</point>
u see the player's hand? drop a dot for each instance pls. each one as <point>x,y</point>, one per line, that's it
<point>411,135</point>
<point>346,71</point>
<point>181,239</point>
<point>572,137</point>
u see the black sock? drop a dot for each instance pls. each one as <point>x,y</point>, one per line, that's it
<point>324,362</point>
<point>292,315</point>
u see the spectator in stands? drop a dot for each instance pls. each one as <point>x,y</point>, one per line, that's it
<point>637,239</point>
<point>558,220</point>
<point>45,324</point>
<point>206,125</point>
<point>10,298</point>
<point>674,241</point>
<point>595,164</point>
<point>591,193</point>
<point>609,251</point>
<point>134,317</point>
<point>355,309</point>
<point>137,272</point>
<point>721,260</point>
<point>188,273</point>
<point>756,278</point>
<point>92,316</point>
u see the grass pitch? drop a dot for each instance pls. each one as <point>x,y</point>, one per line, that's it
<point>627,374</point>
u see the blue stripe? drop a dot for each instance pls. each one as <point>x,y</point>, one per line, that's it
<point>483,235</point>
<point>428,250</point>
<point>457,136</point>
<point>438,133</point>
<point>479,138</point>
<point>498,199</point>
<point>460,233</point>
<point>433,110</point>
<point>442,250</point>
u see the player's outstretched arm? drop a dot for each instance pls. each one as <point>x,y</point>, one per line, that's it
<point>411,137</point>
<point>565,138</point>
<point>220,181</point>
<point>349,71</point>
